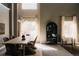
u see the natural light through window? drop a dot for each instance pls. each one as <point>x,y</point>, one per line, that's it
<point>69,28</point>
<point>29,6</point>
<point>29,27</point>
<point>45,47</point>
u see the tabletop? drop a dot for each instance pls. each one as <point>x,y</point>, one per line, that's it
<point>18,40</point>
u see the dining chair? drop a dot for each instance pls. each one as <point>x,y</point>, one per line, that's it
<point>29,51</point>
<point>32,43</point>
<point>5,39</point>
<point>12,50</point>
<point>6,45</point>
<point>30,47</point>
<point>11,37</point>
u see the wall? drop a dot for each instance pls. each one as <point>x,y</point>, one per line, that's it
<point>53,12</point>
<point>4,18</point>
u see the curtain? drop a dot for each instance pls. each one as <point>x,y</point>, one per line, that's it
<point>69,28</point>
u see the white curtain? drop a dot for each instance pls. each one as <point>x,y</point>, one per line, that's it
<point>69,28</point>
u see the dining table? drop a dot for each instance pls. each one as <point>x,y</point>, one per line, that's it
<point>18,40</point>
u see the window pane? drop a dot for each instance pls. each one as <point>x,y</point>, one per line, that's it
<point>30,6</point>
<point>68,29</point>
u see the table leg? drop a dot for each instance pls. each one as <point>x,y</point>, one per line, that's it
<point>23,49</point>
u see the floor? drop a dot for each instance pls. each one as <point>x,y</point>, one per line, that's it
<point>74,50</point>
<point>50,50</point>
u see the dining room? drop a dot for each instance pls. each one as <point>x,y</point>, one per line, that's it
<point>35,29</point>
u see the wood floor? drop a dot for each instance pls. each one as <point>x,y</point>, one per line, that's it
<point>74,51</point>
<point>53,50</point>
<point>50,50</point>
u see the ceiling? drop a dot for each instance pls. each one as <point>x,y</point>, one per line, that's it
<point>26,13</point>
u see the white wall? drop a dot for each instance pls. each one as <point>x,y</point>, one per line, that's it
<point>53,11</point>
<point>4,18</point>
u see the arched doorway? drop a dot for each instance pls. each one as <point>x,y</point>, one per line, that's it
<point>51,32</point>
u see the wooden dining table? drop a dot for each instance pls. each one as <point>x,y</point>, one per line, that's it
<point>18,40</point>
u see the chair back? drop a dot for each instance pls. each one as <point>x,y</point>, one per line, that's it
<point>5,39</point>
<point>11,49</point>
<point>34,41</point>
<point>12,37</point>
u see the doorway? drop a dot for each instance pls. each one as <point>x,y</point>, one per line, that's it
<point>51,32</point>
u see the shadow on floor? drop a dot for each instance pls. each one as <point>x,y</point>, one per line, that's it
<point>74,51</point>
